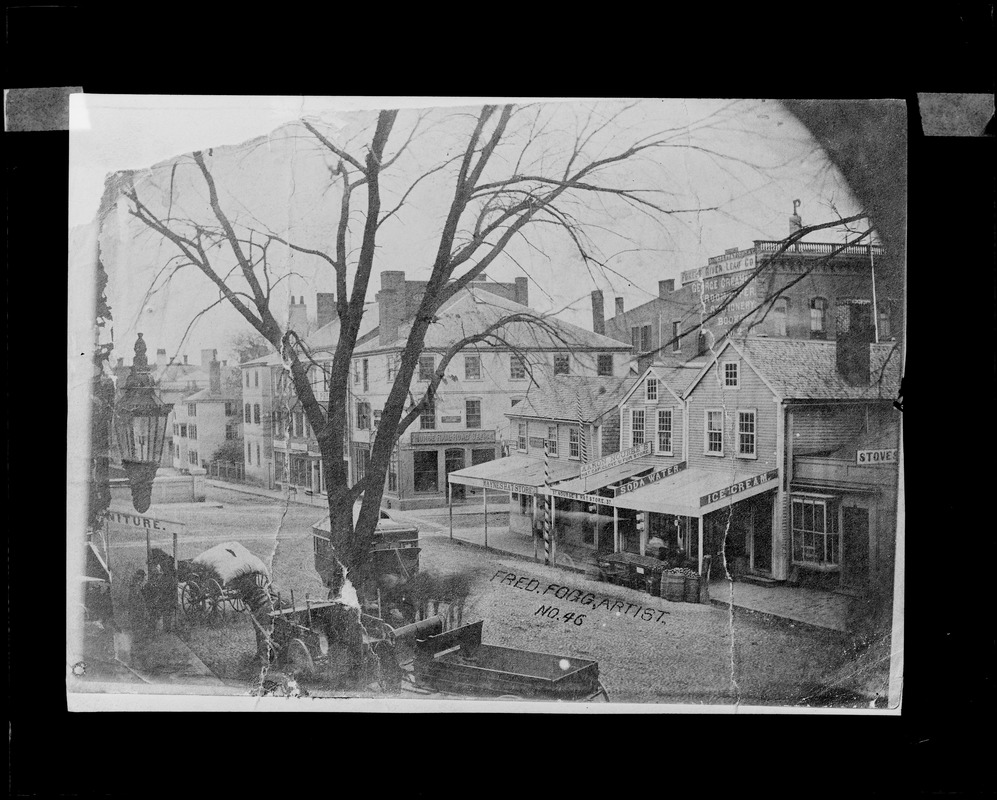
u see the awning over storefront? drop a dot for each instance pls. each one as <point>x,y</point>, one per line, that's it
<point>517,474</point>
<point>607,477</point>
<point>696,492</point>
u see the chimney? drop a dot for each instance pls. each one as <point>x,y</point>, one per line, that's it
<point>795,223</point>
<point>598,316</point>
<point>325,308</point>
<point>665,288</point>
<point>391,305</point>
<point>215,377</point>
<point>184,358</point>
<point>207,356</point>
<point>619,306</point>
<point>297,317</point>
<point>160,354</point>
<point>523,291</point>
<point>853,334</point>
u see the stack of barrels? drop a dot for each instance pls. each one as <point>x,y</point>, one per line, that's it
<point>680,584</point>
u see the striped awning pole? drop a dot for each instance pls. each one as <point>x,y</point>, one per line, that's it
<point>582,444</point>
<point>547,502</point>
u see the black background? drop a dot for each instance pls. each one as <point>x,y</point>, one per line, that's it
<point>938,745</point>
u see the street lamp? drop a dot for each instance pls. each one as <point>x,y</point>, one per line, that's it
<point>140,419</point>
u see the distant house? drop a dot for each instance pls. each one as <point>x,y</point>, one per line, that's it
<point>204,421</point>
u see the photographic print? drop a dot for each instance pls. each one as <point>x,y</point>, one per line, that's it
<point>553,404</point>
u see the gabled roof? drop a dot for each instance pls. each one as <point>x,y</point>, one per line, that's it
<point>324,340</point>
<point>472,311</point>
<point>559,397</point>
<point>675,377</point>
<point>801,369</point>
<point>206,394</point>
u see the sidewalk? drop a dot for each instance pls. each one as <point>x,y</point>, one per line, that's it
<point>806,606</point>
<point>278,495</point>
<point>811,607</point>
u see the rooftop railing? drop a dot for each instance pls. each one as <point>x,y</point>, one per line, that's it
<point>820,248</point>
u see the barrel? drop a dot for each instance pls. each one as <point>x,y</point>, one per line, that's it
<point>672,587</point>
<point>691,588</point>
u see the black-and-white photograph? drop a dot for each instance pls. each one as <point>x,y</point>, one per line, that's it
<point>530,404</point>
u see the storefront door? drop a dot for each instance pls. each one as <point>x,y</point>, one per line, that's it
<point>855,559</point>
<point>453,460</point>
<point>761,534</point>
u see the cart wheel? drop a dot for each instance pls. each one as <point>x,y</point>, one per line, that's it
<point>214,601</point>
<point>190,600</point>
<point>299,659</point>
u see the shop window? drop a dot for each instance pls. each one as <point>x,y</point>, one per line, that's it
<point>732,374</point>
<point>651,389</point>
<point>426,470</point>
<point>279,466</point>
<point>525,506</point>
<point>426,368</point>
<point>605,367</point>
<point>248,416</point>
<point>393,471</point>
<point>664,443</point>
<point>746,434</point>
<point>256,413</point>
<point>562,365</point>
<point>552,440</point>
<point>482,456</point>
<point>636,426</point>
<point>676,337</point>
<point>818,318</point>
<point>574,443</point>
<point>517,368</point>
<point>472,410</point>
<point>521,438</point>
<point>472,368</point>
<point>714,433</point>
<point>816,533</point>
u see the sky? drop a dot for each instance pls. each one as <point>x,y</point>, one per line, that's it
<point>738,164</point>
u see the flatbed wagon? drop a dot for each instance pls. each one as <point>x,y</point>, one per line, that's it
<point>457,662</point>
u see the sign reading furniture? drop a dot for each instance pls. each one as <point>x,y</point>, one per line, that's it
<point>141,522</point>
<point>616,459</point>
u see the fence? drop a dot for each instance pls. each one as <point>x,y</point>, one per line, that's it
<point>227,470</point>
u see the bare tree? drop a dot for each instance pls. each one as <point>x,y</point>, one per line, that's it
<point>511,173</point>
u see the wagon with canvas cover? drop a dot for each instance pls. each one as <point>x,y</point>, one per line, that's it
<point>227,574</point>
